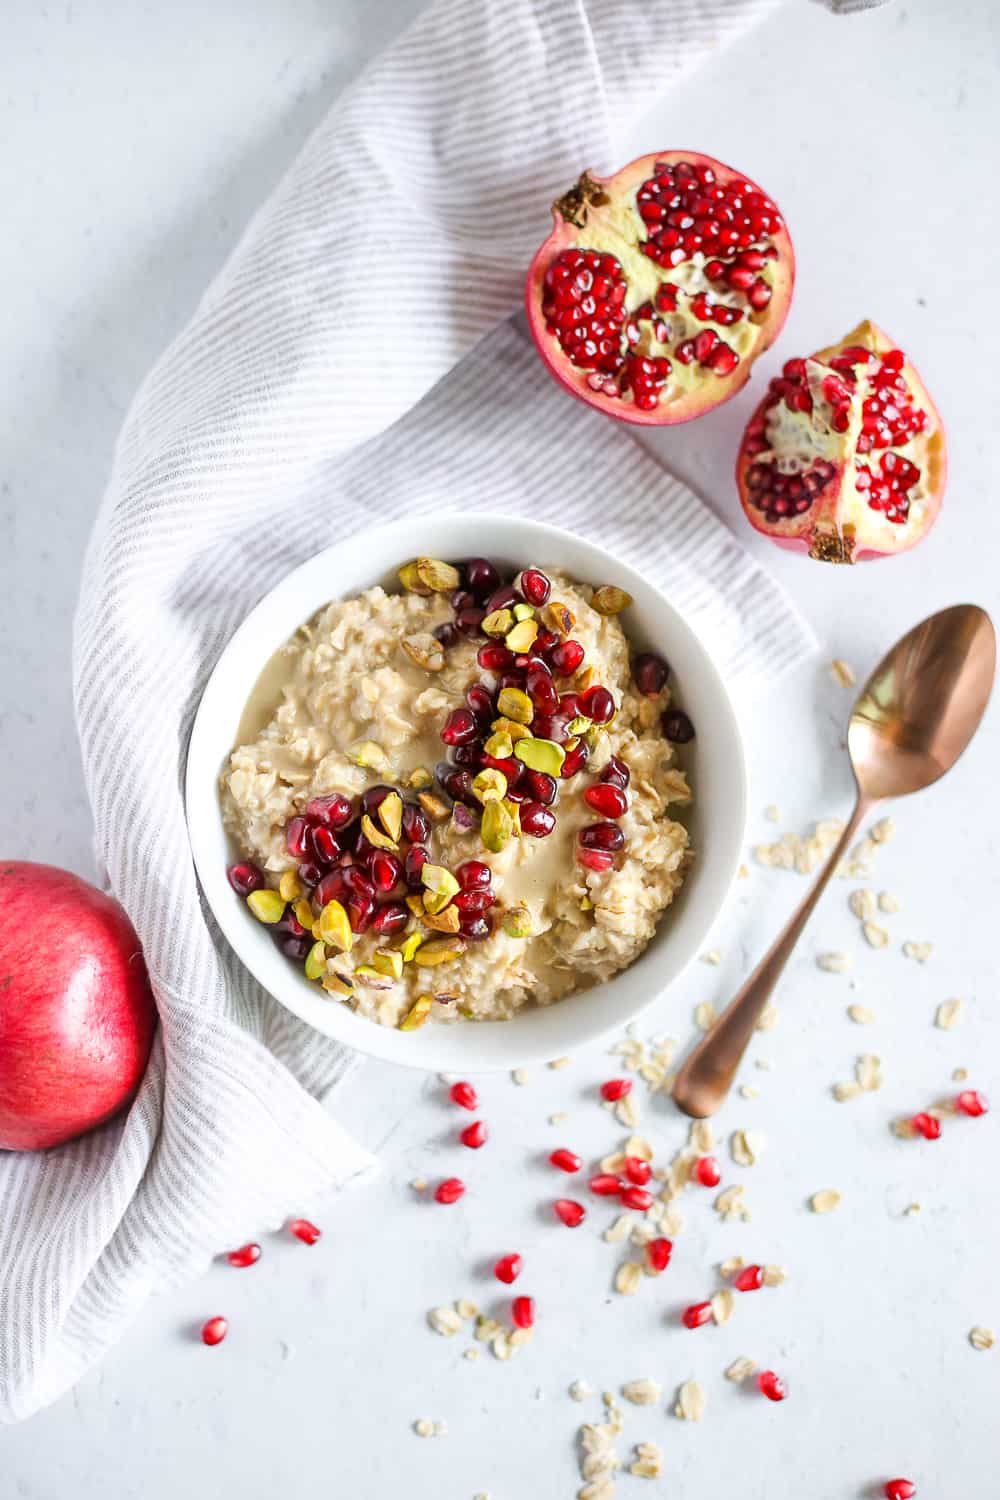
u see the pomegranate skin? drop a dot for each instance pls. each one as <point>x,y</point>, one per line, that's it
<point>77,1015</point>
<point>828,531</point>
<point>708,393</point>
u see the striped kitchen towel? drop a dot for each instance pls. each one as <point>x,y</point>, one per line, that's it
<point>273,425</point>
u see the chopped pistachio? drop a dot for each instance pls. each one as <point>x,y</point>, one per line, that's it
<point>337,984</point>
<point>524,611</point>
<point>417,1013</point>
<point>585,678</point>
<point>511,729</point>
<point>434,902</point>
<point>390,814</point>
<point>419,777</point>
<point>516,922</point>
<point>439,951</point>
<point>491,785</point>
<point>579,725</point>
<point>439,577</point>
<point>316,961</point>
<point>267,906</point>
<point>433,806</point>
<point>424,650</point>
<point>515,704</point>
<point>410,578</point>
<point>559,617</point>
<point>497,826</point>
<point>514,810</point>
<point>500,746</point>
<point>334,927</point>
<point>609,600</point>
<point>446,919</point>
<point>523,636</point>
<point>498,623</point>
<point>289,886</point>
<point>376,836</point>
<point>304,913</point>
<point>369,755</point>
<point>416,905</point>
<point>409,945</point>
<point>388,961</point>
<point>438,879</point>
<point>541,755</point>
<point>369,976</point>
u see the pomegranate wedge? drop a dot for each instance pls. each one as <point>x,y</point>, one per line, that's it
<point>845,456</point>
<point>659,287</point>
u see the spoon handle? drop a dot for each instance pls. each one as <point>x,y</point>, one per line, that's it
<point>707,1075</point>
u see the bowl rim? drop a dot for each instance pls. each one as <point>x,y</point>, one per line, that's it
<point>263,630</point>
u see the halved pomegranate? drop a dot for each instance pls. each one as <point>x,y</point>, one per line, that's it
<point>845,456</point>
<point>659,286</point>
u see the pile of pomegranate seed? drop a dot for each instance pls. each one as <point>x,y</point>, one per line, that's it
<point>214,1331</point>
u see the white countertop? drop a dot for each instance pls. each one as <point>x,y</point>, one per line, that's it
<point>137,140</point>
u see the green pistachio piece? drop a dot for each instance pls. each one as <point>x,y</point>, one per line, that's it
<point>541,755</point>
<point>515,704</point>
<point>316,961</point>
<point>498,623</point>
<point>267,906</point>
<point>489,785</point>
<point>497,826</point>
<point>516,922</point>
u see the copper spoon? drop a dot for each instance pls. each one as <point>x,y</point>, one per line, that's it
<point>916,714</point>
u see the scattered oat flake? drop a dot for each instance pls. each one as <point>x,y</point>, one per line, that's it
<point>466,1309</point>
<point>861,1015</point>
<point>981,1338</point>
<point>792,852</point>
<point>764,1064</point>
<point>768,1018</point>
<point>843,674</point>
<point>868,1072</point>
<point>691,1402</point>
<point>844,1091</point>
<point>648,1462</point>
<point>713,957</point>
<point>560,1062</point>
<point>487,1328</point>
<point>862,904</point>
<point>704,1016</point>
<point>883,830</point>
<point>740,1369</point>
<point>723,1305</point>
<point>833,963</point>
<point>445,1321</point>
<point>580,1390</point>
<point>772,813</point>
<point>825,1201</point>
<point>959,1075</point>
<point>948,1014</point>
<point>701,1136</point>
<point>626,1111</point>
<point>628,1278</point>
<point>911,1208</point>
<point>620,1229</point>
<point>919,951</point>
<point>742,872</point>
<point>473,1352</point>
<point>749,1090</point>
<point>775,1275</point>
<point>730,1204</point>
<point>887,902</point>
<point>419,1184</point>
<point>425,1428</point>
<point>745,1147</point>
<point>875,936</point>
<point>732,1265</point>
<point>644,1392</point>
<point>558,1118</point>
<point>520,1076</point>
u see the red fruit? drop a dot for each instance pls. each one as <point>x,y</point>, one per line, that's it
<point>474,875</point>
<point>750,1279</point>
<point>298,838</point>
<point>639,1198</point>
<point>650,673</point>
<point>476,928</point>
<point>658,1253</point>
<point>605,1185</point>
<point>598,704</point>
<point>575,760</point>
<point>541,689</point>
<point>771,1385</point>
<point>76,1011</point>
<point>449,1191</point>
<point>600,334</point>
<point>605,836</point>
<point>572,1214</point>
<point>508,1268</point>
<point>416,824</point>
<point>533,586</point>
<point>464,1095</point>
<point>566,1161</point>
<point>481,576</point>
<point>537,821</point>
<point>304,1230</point>
<point>522,1312</point>
<point>866,496</point>
<point>416,858</point>
<point>474,1135</point>
<point>637,1170</point>
<point>615,1089</point>
<point>677,727</point>
<point>468,621</point>
<point>594,859</point>
<point>333,810</point>
<point>326,844</point>
<point>244,878</point>
<point>610,801</point>
<point>460,727</point>
<point>926,1125</point>
<point>697,1314</point>
<point>214,1331</point>
<point>565,658</point>
<point>707,1171</point>
<point>494,657</point>
<point>246,1255</point>
<point>970,1102</point>
<point>616,773</point>
<point>541,787</point>
<point>473,903</point>
<point>899,1489</point>
<point>386,871</point>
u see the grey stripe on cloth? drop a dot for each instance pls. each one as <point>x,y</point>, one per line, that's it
<point>262,434</point>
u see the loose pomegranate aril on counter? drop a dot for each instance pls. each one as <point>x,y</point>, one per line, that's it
<point>571,1213</point>
<point>639,1198</point>
<point>605,1185</point>
<point>533,586</point>
<point>697,1314</point>
<point>508,1268</point>
<point>616,1088</point>
<point>334,810</point>
<point>677,727</point>
<point>658,1253</point>
<point>245,878</point>
<point>246,1255</point>
<point>464,1095</point>
<point>771,1385</point>
<point>637,1170</point>
<point>605,836</point>
<point>610,801</point>
<point>707,1171</point>
<point>481,576</point>
<point>598,704</point>
<point>214,1331</point>
<point>474,1135</point>
<point>565,658</point>
<point>522,1312</point>
<point>971,1102</point>
<point>304,1230</point>
<point>565,1160</point>
<point>929,1126</point>
<point>449,1191</point>
<point>750,1279</point>
<point>616,773</point>
<point>899,1489</point>
<point>537,821</point>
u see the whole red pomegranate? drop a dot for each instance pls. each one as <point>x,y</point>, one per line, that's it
<point>76,1011</point>
<point>845,457</point>
<point>659,287</point>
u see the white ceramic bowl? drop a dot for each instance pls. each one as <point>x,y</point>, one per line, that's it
<point>714,759</point>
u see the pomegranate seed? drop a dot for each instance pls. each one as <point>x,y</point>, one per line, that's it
<point>460,727</point>
<point>541,689</point>
<point>449,1191</point>
<point>575,760</point>
<point>468,621</point>
<point>416,824</point>
<point>474,875</point>
<point>541,787</point>
<point>771,1385</point>
<point>637,1170</point>
<point>650,673</point>
<point>473,903</point>
<point>605,836</point>
<point>610,801</point>
<point>494,657</point>
<point>899,1489</point>
<point>501,598</point>
<point>389,920</point>
<point>707,1171</point>
<point>244,878</point>
<point>464,1095</point>
<point>565,658</point>
<point>615,1089</point>
<point>374,797</point>
<point>214,1331</point>
<point>246,1255</point>
<point>386,871</point>
<point>598,704</point>
<point>639,1198</point>
<point>658,1253</point>
<point>326,844</point>
<point>971,1102</point>
<point>616,773</point>
<point>566,1161</point>
<point>481,576</point>
<point>605,1185</point>
<point>333,810</point>
<point>750,1279</point>
<point>304,1230</point>
<point>533,586</point>
<point>927,1126</point>
<point>595,859</point>
<point>298,838</point>
<point>522,1312</point>
<point>537,821</point>
<point>508,1268</point>
<point>677,727</point>
<point>697,1314</point>
<point>572,1214</point>
<point>474,1135</point>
